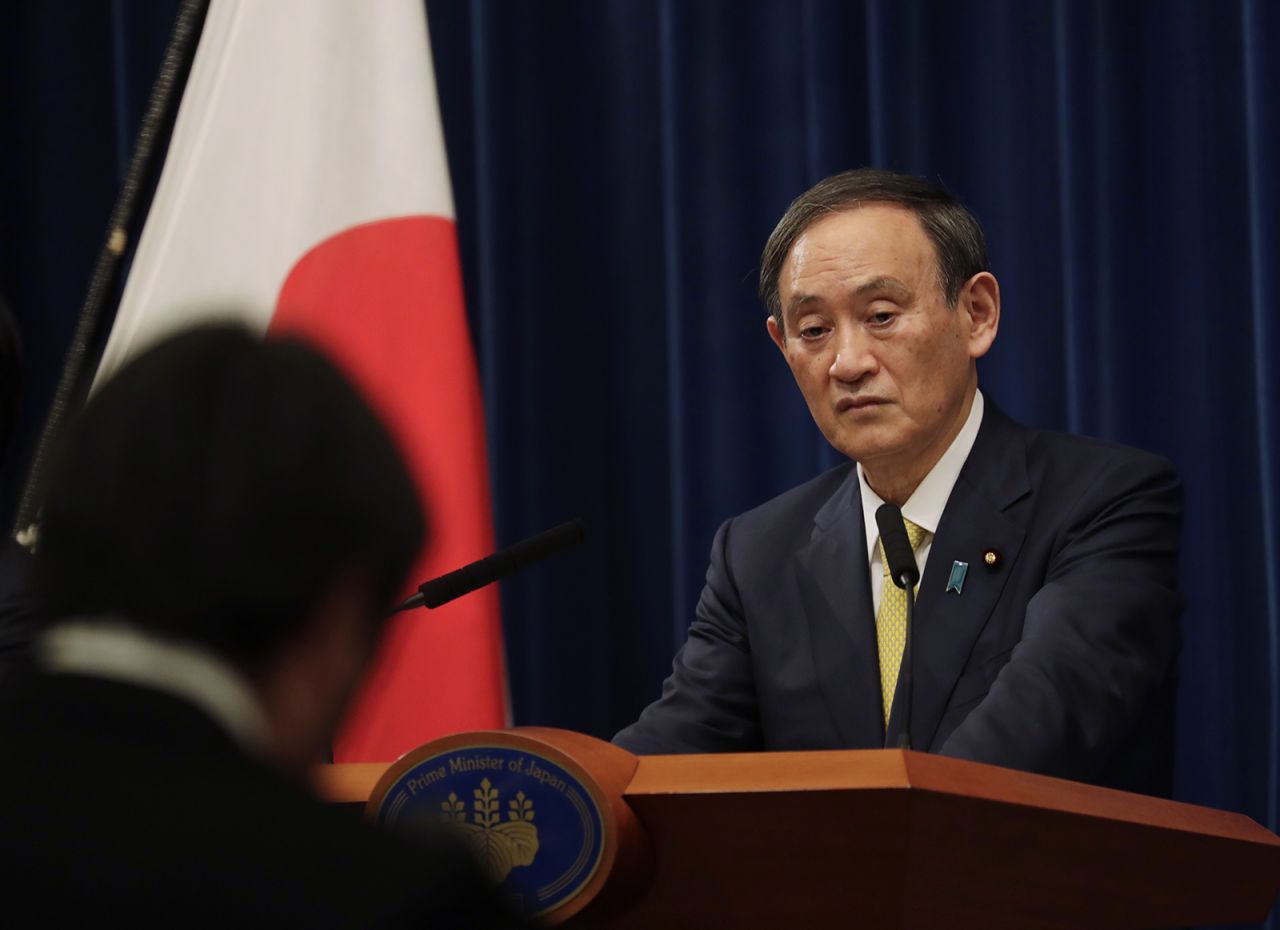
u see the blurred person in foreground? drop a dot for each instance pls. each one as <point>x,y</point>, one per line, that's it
<point>1046,627</point>
<point>225,526</point>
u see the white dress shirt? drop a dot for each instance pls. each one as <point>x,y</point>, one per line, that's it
<point>924,507</point>
<point>115,650</point>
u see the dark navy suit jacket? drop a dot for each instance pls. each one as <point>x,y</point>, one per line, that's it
<point>1059,660</point>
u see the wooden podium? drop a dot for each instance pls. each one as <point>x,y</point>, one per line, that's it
<point>878,839</point>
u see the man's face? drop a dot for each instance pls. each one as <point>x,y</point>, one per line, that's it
<point>886,367</point>
<point>311,683</point>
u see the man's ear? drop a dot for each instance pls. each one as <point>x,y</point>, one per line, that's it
<point>776,334</point>
<point>981,301</point>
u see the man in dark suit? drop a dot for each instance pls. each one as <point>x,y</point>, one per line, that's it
<point>225,527</point>
<point>1046,622</point>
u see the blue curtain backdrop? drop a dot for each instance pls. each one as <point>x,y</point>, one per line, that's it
<point>617,166</point>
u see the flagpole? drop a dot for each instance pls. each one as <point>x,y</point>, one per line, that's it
<point>157,123</point>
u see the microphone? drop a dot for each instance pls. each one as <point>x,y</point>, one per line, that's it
<point>504,562</point>
<point>905,573</point>
<point>897,548</point>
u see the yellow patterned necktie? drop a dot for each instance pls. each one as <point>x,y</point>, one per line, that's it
<point>891,622</point>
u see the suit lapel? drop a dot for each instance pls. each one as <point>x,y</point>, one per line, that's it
<point>974,521</point>
<point>835,590</point>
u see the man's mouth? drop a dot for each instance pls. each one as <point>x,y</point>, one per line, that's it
<point>858,403</point>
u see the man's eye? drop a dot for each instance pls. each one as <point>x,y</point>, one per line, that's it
<point>881,318</point>
<point>812,332</point>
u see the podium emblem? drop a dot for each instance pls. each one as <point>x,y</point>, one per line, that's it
<point>529,821</point>
<point>499,844</point>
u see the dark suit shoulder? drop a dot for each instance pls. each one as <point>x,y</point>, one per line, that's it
<point>125,800</point>
<point>1051,447</point>
<point>1009,460</point>
<point>786,521</point>
<point>1092,473</point>
<point>756,542</point>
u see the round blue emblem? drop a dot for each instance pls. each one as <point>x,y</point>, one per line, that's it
<point>533,824</point>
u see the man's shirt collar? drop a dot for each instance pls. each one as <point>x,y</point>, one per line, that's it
<point>118,651</point>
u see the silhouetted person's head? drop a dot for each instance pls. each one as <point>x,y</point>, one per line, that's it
<point>237,495</point>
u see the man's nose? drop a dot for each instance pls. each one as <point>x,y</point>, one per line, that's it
<point>854,359</point>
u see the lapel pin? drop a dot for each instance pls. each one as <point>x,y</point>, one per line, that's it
<point>956,581</point>
<point>992,558</point>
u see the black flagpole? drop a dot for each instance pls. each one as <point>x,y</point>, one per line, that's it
<point>157,124</point>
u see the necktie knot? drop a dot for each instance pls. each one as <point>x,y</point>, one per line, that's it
<point>915,536</point>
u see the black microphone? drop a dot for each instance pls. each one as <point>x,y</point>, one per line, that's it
<point>442,590</point>
<point>897,547</point>
<point>904,572</point>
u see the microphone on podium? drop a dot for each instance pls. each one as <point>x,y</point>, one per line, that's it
<point>901,559</point>
<point>504,562</point>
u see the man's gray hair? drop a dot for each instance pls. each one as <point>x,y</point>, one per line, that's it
<point>956,235</point>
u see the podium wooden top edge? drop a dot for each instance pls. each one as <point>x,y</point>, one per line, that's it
<point>657,777</point>
<point>750,772</point>
<point>896,769</point>
<point>346,782</point>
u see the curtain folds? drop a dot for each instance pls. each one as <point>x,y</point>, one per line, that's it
<point>618,165</point>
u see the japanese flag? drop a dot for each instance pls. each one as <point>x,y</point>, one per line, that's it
<point>306,190</point>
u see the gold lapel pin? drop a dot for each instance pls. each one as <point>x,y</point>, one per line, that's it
<point>992,558</point>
